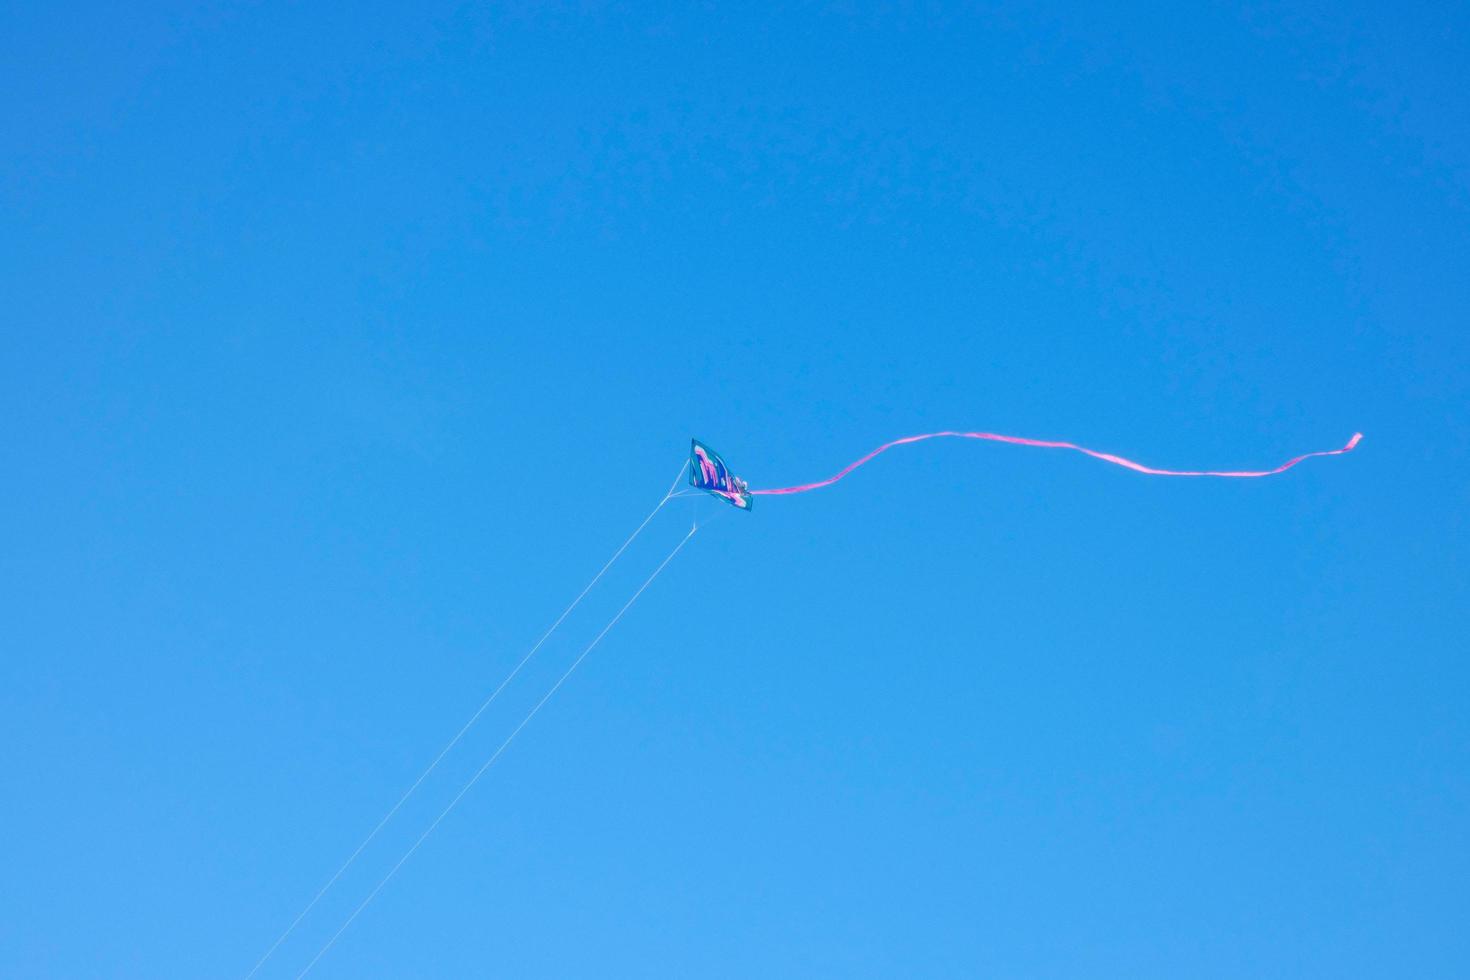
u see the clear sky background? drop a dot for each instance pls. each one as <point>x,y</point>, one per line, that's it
<point>339,349</point>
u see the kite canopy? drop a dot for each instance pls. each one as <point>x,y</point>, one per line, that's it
<point>708,472</point>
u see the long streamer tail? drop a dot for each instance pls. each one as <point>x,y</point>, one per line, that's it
<point>1049,444</point>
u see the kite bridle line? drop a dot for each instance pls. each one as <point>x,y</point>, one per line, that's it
<point>372,834</point>
<point>496,754</point>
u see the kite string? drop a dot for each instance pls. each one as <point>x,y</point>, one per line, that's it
<point>1051,444</point>
<point>463,729</point>
<point>494,756</point>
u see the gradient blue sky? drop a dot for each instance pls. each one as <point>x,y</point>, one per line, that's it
<point>339,348</point>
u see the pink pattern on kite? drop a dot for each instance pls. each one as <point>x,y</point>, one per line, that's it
<point>706,467</point>
<point>1047,444</point>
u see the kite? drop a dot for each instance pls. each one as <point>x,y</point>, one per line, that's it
<point>708,472</point>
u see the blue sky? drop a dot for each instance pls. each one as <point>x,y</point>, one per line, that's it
<point>341,348</point>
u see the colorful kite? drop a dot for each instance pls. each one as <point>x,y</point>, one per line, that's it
<point>708,472</point>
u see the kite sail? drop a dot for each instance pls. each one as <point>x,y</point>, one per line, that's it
<point>708,472</point>
<point>1049,444</point>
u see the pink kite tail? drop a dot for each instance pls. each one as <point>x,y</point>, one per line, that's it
<point>1046,444</point>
